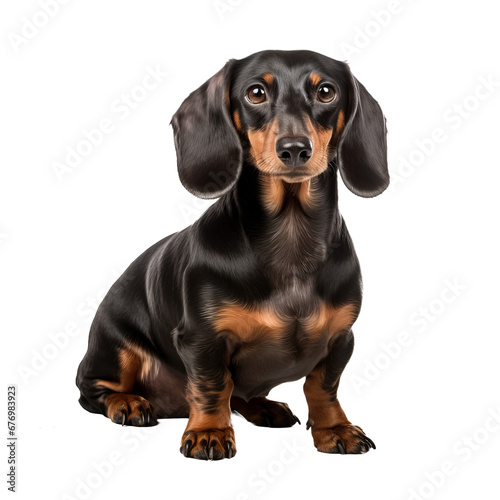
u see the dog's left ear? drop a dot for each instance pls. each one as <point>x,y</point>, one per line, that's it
<point>362,149</point>
<point>209,153</point>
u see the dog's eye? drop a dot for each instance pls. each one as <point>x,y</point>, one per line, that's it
<point>326,93</point>
<point>256,94</point>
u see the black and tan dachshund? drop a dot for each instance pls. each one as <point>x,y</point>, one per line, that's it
<point>265,287</point>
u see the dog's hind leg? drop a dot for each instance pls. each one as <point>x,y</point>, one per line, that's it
<point>107,381</point>
<point>264,413</point>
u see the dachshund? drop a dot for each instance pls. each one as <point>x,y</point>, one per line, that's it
<point>265,286</point>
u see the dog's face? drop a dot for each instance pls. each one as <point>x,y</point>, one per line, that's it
<point>289,113</point>
<point>289,109</point>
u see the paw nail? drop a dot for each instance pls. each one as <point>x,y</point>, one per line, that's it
<point>372,444</point>
<point>186,448</point>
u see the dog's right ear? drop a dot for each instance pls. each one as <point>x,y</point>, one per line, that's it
<point>209,153</point>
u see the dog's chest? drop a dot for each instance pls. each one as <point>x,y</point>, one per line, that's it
<point>280,339</point>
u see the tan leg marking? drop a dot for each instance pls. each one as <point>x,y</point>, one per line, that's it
<point>135,364</point>
<point>128,408</point>
<point>331,430</point>
<point>322,412</point>
<point>199,418</point>
<point>209,434</point>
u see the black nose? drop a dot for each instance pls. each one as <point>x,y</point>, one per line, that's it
<point>294,151</point>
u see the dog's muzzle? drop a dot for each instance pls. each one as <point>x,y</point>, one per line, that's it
<point>294,151</point>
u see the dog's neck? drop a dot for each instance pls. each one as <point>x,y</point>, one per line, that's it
<point>289,225</point>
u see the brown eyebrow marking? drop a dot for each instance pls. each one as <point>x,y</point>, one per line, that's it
<point>315,78</point>
<point>268,78</point>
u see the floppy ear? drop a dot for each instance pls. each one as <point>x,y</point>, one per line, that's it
<point>362,150</point>
<point>209,154</point>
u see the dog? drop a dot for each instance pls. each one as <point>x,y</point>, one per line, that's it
<point>264,288</point>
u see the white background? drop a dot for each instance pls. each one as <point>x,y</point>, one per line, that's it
<point>63,242</point>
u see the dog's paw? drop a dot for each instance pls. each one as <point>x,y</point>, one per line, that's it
<point>343,439</point>
<point>266,413</point>
<point>209,444</point>
<point>129,409</point>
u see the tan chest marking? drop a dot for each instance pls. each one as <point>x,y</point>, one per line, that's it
<point>250,324</point>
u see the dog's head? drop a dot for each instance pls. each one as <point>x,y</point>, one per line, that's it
<point>289,113</point>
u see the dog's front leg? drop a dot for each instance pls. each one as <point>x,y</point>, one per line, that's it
<point>209,434</point>
<point>332,432</point>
